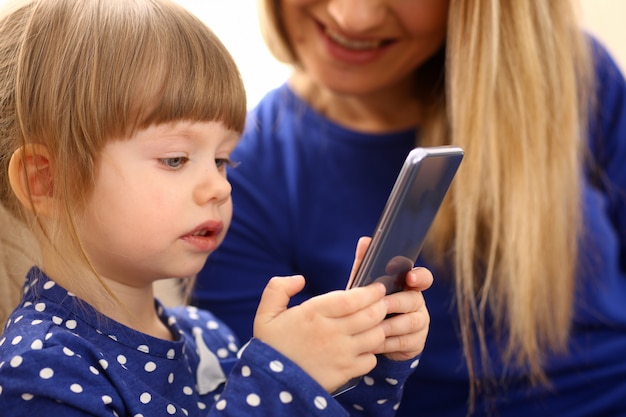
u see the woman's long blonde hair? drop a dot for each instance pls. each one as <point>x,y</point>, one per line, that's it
<point>76,74</point>
<point>514,95</point>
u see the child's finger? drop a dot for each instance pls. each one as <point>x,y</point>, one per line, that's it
<point>343,303</point>
<point>404,324</point>
<point>361,248</point>
<point>276,296</point>
<point>419,279</point>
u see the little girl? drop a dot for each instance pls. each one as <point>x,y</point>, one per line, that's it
<point>117,119</point>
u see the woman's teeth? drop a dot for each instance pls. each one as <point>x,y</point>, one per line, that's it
<point>355,44</point>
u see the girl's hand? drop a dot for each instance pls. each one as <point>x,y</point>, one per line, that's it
<point>407,328</point>
<point>333,337</point>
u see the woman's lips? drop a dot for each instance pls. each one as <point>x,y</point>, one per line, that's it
<point>351,50</point>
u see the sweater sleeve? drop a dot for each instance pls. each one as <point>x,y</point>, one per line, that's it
<point>608,142</point>
<point>265,383</point>
<point>379,393</point>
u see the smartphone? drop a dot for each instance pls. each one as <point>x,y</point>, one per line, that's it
<point>419,189</point>
<point>415,198</point>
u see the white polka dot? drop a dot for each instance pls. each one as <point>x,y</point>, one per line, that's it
<point>368,380</point>
<point>143,348</point>
<point>94,370</point>
<point>201,406</point>
<point>48,285</point>
<point>36,322</point>
<point>16,361</point>
<point>46,373</point>
<point>245,371</point>
<point>121,359</point>
<point>170,378</point>
<point>396,406</point>
<point>48,336</point>
<point>171,410</point>
<point>103,363</point>
<point>222,353</point>
<point>320,403</point>
<point>212,325</point>
<point>187,390</point>
<point>170,354</point>
<point>57,320</point>
<point>76,388</point>
<point>16,340</point>
<point>106,399</point>
<point>27,397</point>
<point>17,319</point>
<point>145,398</point>
<point>415,363</point>
<point>150,367</point>
<point>113,337</point>
<point>382,401</point>
<point>68,351</point>
<point>0,389</point>
<point>277,366</point>
<point>358,407</point>
<point>285,397</point>
<point>171,321</point>
<point>391,381</point>
<point>36,345</point>
<point>2,341</point>
<point>28,304</point>
<point>220,405</point>
<point>253,400</point>
<point>40,307</point>
<point>233,347</point>
<point>71,324</point>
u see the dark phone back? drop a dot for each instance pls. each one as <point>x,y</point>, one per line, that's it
<point>410,210</point>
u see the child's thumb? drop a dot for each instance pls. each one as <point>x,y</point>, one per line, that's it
<point>276,296</point>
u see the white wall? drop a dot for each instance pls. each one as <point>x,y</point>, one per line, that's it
<point>607,20</point>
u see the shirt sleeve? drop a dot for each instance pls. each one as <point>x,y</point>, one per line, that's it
<point>266,383</point>
<point>379,393</point>
<point>55,381</point>
<point>608,141</point>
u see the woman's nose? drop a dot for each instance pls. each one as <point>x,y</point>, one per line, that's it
<point>357,16</point>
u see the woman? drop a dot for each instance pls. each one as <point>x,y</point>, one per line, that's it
<point>529,249</point>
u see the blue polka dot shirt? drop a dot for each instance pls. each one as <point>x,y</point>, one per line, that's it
<point>59,357</point>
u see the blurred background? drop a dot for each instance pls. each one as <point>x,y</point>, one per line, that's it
<point>235,22</point>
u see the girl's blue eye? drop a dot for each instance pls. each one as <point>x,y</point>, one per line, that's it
<point>174,163</point>
<point>222,163</point>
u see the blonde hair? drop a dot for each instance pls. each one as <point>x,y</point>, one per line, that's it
<point>512,90</point>
<point>76,74</point>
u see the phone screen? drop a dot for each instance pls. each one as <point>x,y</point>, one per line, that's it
<point>410,210</point>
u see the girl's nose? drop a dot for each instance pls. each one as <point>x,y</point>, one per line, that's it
<point>357,16</point>
<point>213,188</point>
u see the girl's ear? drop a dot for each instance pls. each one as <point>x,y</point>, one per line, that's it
<point>30,176</point>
